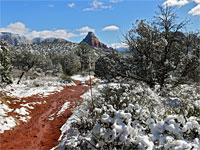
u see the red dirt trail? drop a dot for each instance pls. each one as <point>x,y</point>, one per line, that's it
<point>40,133</point>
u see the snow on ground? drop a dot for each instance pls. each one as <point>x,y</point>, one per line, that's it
<point>39,86</point>
<point>22,111</point>
<point>24,119</point>
<point>81,78</point>
<point>6,122</point>
<point>64,107</point>
<point>42,86</point>
<point>85,80</point>
<point>27,105</point>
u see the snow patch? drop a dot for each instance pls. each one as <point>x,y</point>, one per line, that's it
<point>39,86</point>
<point>64,107</point>
<point>22,111</point>
<point>6,123</point>
<point>81,78</point>
<point>27,105</point>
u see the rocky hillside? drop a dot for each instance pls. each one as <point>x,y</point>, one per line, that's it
<point>92,40</point>
<point>17,39</point>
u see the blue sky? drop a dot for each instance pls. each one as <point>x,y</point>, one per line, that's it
<point>72,19</point>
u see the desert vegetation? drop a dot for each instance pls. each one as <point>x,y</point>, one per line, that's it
<point>149,97</point>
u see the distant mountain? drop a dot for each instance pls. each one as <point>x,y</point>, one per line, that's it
<point>37,40</point>
<point>17,39</point>
<point>92,40</point>
<point>49,40</point>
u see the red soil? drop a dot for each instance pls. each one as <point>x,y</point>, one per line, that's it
<point>40,133</point>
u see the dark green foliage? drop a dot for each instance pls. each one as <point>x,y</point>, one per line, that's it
<point>112,66</point>
<point>190,68</point>
<point>70,64</point>
<point>160,53</point>
<point>55,61</point>
<point>24,59</point>
<point>5,65</point>
<point>87,56</point>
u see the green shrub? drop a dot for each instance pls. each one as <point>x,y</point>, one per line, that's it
<point>70,64</point>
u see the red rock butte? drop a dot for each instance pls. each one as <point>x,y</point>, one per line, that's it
<point>92,40</point>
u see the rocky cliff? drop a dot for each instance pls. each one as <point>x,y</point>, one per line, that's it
<point>92,40</point>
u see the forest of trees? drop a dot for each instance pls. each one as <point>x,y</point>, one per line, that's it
<point>32,58</point>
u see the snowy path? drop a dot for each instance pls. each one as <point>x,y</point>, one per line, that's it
<point>43,129</point>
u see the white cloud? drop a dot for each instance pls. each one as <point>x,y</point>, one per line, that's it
<point>195,10</point>
<point>119,46</point>
<point>48,33</point>
<point>17,27</point>
<point>50,5</point>
<point>71,5</point>
<point>84,30</point>
<point>196,1</point>
<point>83,33</point>
<point>20,28</point>
<point>97,5</point>
<point>115,1</point>
<point>110,28</point>
<point>176,2</point>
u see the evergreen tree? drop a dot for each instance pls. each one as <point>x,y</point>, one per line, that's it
<point>24,59</point>
<point>70,64</point>
<point>5,65</point>
<point>113,66</point>
<point>86,56</point>
<point>160,50</point>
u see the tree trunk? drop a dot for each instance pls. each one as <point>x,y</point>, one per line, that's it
<point>21,77</point>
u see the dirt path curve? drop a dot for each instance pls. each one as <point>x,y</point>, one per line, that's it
<point>41,132</point>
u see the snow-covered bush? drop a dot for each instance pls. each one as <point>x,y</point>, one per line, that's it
<point>133,116</point>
